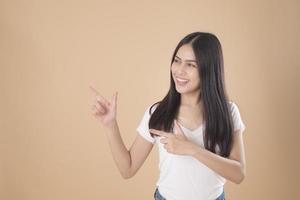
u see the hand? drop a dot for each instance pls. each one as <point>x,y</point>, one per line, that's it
<point>105,111</point>
<point>176,143</point>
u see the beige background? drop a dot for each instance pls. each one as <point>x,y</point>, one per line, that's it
<point>50,51</point>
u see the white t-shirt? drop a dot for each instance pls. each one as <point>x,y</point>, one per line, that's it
<point>184,177</point>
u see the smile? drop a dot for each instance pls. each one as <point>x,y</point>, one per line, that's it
<point>181,80</point>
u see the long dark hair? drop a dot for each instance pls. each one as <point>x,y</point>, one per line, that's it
<point>216,109</point>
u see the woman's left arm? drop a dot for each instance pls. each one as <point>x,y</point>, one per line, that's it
<point>232,168</point>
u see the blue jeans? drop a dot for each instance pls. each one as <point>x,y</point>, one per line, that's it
<point>158,196</point>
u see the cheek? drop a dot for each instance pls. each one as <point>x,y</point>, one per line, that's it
<point>173,70</point>
<point>196,78</point>
<point>172,67</point>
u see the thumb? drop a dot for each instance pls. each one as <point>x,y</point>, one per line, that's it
<point>178,130</point>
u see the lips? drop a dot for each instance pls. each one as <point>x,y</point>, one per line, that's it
<point>181,80</point>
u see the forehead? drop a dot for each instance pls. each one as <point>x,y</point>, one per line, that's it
<point>186,52</point>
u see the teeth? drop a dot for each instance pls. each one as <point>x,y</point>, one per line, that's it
<point>181,80</point>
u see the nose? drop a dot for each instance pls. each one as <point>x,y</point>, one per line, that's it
<point>181,69</point>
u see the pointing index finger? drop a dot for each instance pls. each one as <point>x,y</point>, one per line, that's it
<point>94,90</point>
<point>99,97</point>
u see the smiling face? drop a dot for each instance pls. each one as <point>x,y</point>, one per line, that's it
<point>185,70</point>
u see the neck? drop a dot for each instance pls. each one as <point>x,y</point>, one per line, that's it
<point>190,100</point>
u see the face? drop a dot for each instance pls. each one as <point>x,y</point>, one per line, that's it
<point>185,70</point>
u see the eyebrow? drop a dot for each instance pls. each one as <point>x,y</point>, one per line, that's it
<point>187,60</point>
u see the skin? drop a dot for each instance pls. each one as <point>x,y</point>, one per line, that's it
<point>129,161</point>
<point>185,67</point>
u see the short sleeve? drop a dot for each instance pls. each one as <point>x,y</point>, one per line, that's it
<point>143,127</point>
<point>237,119</point>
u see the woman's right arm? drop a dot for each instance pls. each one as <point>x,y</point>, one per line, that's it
<point>127,161</point>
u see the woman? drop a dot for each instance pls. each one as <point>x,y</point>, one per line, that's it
<point>197,129</point>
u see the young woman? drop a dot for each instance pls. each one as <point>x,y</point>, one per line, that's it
<point>199,132</point>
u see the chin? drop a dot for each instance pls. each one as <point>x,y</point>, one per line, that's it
<point>183,91</point>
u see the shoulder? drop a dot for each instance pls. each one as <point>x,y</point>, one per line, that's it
<point>234,110</point>
<point>151,108</point>
<point>236,115</point>
<point>233,106</point>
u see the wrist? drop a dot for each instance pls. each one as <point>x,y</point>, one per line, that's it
<point>195,149</point>
<point>112,125</point>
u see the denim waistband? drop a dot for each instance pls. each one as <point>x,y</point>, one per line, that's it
<point>158,196</point>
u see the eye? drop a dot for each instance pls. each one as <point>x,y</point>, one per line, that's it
<point>175,60</point>
<point>191,65</point>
